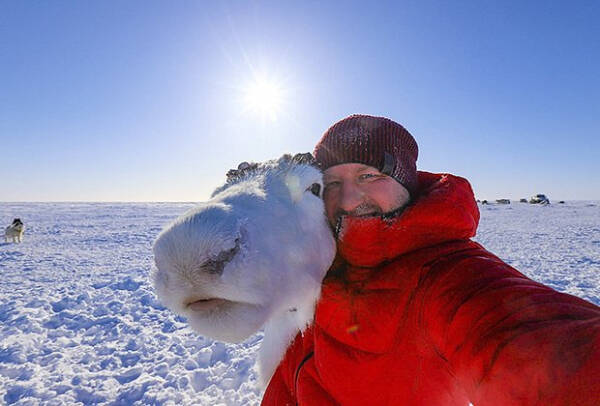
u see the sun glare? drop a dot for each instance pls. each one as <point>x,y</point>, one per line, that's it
<point>264,97</point>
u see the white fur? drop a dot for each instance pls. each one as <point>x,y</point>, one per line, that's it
<point>284,248</point>
<point>14,232</point>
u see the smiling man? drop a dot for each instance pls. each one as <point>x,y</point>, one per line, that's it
<point>361,190</point>
<point>415,313</point>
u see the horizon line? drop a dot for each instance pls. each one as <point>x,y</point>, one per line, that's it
<point>201,201</point>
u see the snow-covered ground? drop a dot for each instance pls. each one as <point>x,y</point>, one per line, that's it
<point>80,325</point>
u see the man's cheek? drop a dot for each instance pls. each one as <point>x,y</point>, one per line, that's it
<point>331,218</point>
<point>330,207</point>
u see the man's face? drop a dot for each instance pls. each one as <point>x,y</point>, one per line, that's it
<point>360,190</point>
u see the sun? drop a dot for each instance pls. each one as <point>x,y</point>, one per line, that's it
<point>263,97</point>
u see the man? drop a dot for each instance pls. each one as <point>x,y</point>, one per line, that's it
<point>415,313</point>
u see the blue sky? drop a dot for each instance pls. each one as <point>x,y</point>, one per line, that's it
<point>145,100</point>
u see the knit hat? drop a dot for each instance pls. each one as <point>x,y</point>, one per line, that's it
<point>375,141</point>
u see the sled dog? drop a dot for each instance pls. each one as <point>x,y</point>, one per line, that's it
<point>15,231</point>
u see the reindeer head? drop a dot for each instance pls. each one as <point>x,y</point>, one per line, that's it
<point>258,248</point>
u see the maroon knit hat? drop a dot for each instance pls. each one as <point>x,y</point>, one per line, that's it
<point>375,141</point>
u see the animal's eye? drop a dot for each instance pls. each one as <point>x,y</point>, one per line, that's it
<point>315,189</point>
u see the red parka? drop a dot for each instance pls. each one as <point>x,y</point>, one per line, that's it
<point>422,315</point>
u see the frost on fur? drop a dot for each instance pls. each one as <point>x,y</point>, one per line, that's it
<point>252,256</point>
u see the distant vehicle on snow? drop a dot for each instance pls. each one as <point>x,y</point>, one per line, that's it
<point>503,201</point>
<point>539,199</point>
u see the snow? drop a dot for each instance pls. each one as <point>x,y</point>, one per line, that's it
<point>558,244</point>
<point>80,324</point>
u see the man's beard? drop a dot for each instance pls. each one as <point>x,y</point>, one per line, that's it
<point>362,210</point>
<point>365,209</point>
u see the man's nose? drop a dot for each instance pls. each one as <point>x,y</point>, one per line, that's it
<point>351,196</point>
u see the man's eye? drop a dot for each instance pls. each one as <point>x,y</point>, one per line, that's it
<point>367,176</point>
<point>331,184</point>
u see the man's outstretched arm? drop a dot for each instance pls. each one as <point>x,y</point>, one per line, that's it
<point>510,340</point>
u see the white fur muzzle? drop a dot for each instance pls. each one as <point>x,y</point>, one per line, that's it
<point>253,256</point>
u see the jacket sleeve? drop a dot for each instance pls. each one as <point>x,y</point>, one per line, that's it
<point>510,340</point>
<point>277,392</point>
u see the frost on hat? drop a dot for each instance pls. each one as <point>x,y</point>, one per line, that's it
<point>375,141</point>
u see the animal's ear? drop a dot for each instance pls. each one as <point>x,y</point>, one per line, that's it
<point>285,158</point>
<point>304,158</point>
<point>241,170</point>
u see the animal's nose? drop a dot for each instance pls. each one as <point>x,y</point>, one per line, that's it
<point>204,240</point>
<point>217,264</point>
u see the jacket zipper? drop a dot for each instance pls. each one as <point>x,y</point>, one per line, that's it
<point>306,358</point>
